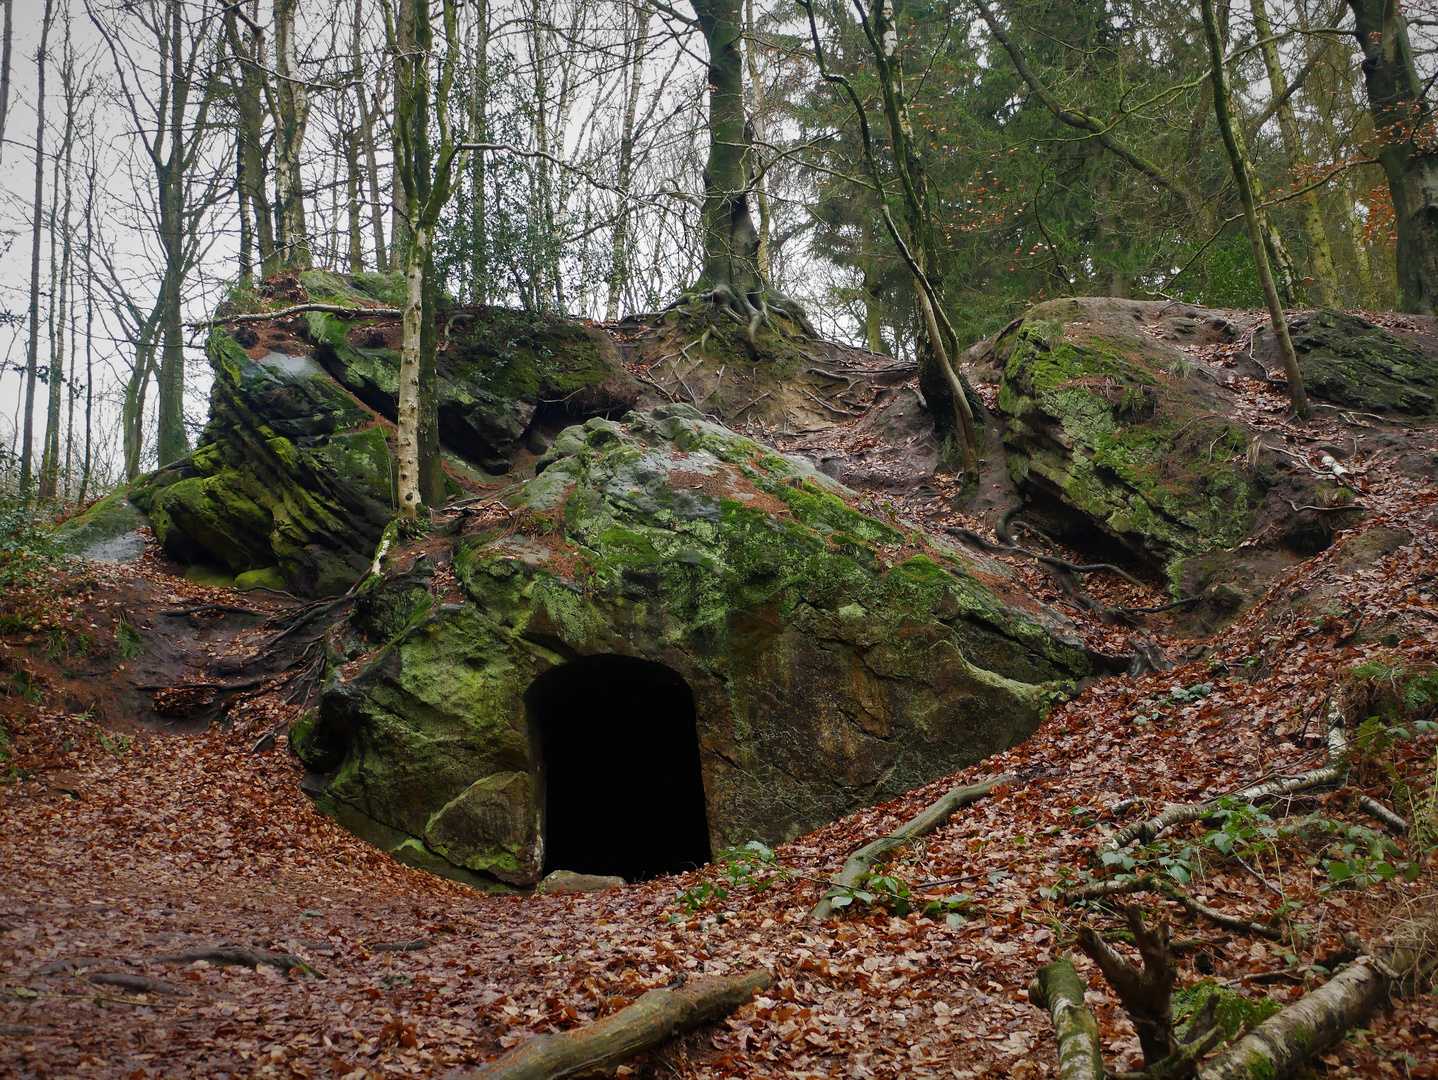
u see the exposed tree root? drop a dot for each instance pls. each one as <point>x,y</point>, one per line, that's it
<point>935,814</point>
<point>1058,988</point>
<point>140,984</point>
<point>753,311</point>
<point>299,309</point>
<point>1146,995</point>
<point>1331,773</point>
<point>237,957</point>
<point>605,1044</point>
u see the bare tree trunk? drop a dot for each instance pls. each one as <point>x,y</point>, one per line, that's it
<point>247,52</point>
<point>1238,159</point>
<point>1320,254</point>
<point>635,69</point>
<point>291,113</point>
<point>7,40</point>
<point>756,93</point>
<point>479,132</point>
<point>881,30</point>
<point>50,458</point>
<point>352,186</point>
<point>32,355</point>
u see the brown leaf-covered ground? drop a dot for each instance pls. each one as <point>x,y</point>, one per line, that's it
<point>120,844</point>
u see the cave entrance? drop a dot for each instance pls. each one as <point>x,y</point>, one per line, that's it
<point>620,765</point>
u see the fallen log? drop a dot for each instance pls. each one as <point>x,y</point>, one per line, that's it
<point>1147,830</point>
<point>935,814</point>
<point>1280,1045</point>
<point>1058,988</point>
<point>605,1044</point>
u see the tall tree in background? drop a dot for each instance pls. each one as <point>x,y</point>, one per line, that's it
<point>1320,255</point>
<point>257,217</point>
<point>1403,125</point>
<point>290,106</point>
<point>7,40</point>
<point>60,269</point>
<point>918,243</point>
<point>162,53</point>
<point>32,352</point>
<point>731,277</point>
<point>428,153</point>
<point>1243,180</point>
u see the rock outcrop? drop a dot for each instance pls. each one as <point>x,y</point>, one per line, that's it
<point>292,483</point>
<point>833,658</point>
<point>1124,437</point>
<point>1350,361</point>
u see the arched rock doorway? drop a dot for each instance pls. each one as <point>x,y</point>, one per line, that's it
<point>620,766</point>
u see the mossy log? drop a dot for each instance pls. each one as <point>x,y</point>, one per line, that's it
<point>602,1046</point>
<point>935,814</point>
<point>1058,988</point>
<point>1280,1045</point>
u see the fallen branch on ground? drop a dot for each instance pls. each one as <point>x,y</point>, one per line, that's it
<point>1171,889</point>
<point>607,1043</point>
<point>1058,988</point>
<point>1395,822</point>
<point>417,945</point>
<point>223,608</point>
<point>935,814</point>
<point>237,957</point>
<point>1146,831</point>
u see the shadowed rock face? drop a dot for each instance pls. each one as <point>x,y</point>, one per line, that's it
<point>833,660</point>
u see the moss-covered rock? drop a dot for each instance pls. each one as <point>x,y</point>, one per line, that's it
<point>1105,419</point>
<point>291,476</point>
<point>1348,360</point>
<point>834,659</point>
<point>498,371</point>
<point>109,529</point>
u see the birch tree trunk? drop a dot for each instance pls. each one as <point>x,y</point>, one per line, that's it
<point>410,407</point>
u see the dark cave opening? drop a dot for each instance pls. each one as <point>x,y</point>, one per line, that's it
<point>624,794</point>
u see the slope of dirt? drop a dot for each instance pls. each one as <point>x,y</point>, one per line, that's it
<point>119,845</point>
